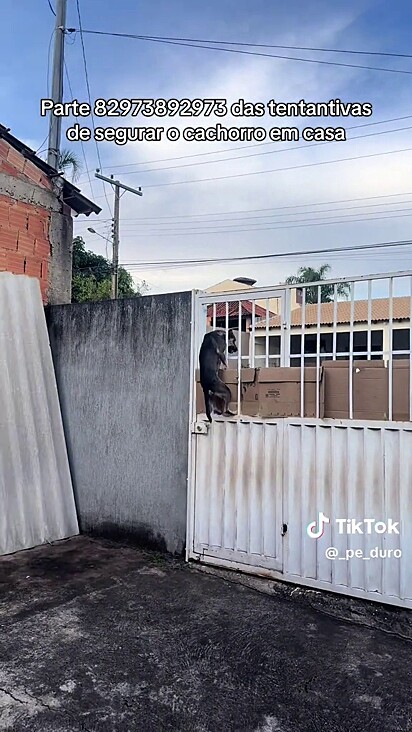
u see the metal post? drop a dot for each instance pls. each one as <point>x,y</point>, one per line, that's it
<point>116,223</point>
<point>55,123</point>
<point>115,272</point>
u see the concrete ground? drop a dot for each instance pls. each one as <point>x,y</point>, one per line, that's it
<point>96,636</point>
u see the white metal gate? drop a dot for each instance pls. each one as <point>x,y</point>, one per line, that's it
<point>256,484</point>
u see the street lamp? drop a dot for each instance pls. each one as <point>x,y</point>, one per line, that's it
<point>92,231</point>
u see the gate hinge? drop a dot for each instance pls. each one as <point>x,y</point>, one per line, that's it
<point>200,428</point>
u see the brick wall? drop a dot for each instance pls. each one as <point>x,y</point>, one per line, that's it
<point>24,227</point>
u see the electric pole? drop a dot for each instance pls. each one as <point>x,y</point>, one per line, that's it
<point>116,223</point>
<point>55,123</point>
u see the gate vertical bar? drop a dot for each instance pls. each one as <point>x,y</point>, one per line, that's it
<point>390,348</point>
<point>302,353</point>
<point>352,310</point>
<point>369,319</point>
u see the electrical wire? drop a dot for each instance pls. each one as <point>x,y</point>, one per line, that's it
<point>277,255</point>
<point>257,154</point>
<point>200,224</point>
<point>272,208</point>
<point>81,141</point>
<point>277,170</point>
<point>247,147</point>
<point>51,8</point>
<point>41,149</point>
<point>90,98</point>
<point>290,225</point>
<point>159,39</point>
<point>272,45</point>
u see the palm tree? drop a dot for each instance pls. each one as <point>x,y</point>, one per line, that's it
<point>69,159</point>
<point>309,274</point>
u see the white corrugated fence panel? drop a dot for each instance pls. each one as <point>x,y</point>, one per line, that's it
<point>253,476</point>
<point>238,501</point>
<point>36,494</point>
<point>349,472</point>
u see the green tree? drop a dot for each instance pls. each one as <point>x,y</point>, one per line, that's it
<point>67,160</point>
<point>92,276</point>
<point>309,274</point>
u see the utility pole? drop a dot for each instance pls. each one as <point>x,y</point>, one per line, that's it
<point>116,223</point>
<point>55,123</point>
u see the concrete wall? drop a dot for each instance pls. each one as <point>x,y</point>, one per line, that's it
<point>123,370</point>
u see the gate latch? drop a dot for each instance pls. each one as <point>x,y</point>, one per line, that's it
<point>200,428</point>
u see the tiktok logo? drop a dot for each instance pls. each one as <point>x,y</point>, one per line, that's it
<point>313,531</point>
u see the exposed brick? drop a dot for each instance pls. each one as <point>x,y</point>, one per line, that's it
<point>3,266</point>
<point>15,262</point>
<point>6,167</point>
<point>32,172</point>
<point>42,248</point>
<point>45,271</point>
<point>27,208</point>
<point>16,159</point>
<point>33,267</point>
<point>25,243</point>
<point>18,218</point>
<point>4,212</point>
<point>4,149</point>
<point>8,238</point>
<point>37,224</point>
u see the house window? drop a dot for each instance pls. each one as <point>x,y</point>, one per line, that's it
<point>360,346</point>
<point>273,351</point>
<point>401,342</point>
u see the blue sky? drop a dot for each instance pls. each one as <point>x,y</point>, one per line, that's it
<point>129,68</point>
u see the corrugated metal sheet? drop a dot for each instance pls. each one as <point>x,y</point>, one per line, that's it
<point>238,493</point>
<point>254,476</point>
<point>36,495</point>
<point>350,471</point>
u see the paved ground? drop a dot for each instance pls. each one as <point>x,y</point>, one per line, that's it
<point>94,636</point>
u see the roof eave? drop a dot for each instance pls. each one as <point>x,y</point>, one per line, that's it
<point>71,195</point>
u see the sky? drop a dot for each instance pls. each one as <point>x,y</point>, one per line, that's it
<point>277,197</point>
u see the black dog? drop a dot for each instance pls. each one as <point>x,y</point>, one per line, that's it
<point>211,356</point>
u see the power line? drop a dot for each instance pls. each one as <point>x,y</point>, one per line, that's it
<point>267,216</point>
<point>51,8</point>
<point>256,154</point>
<point>159,39</point>
<point>40,149</point>
<point>272,45</point>
<point>277,170</point>
<point>272,208</point>
<point>247,147</point>
<point>277,255</point>
<point>290,225</point>
<point>90,97</point>
<point>81,142</point>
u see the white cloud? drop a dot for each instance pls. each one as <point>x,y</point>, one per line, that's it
<point>259,79</point>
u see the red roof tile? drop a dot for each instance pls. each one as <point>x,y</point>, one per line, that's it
<point>379,312</point>
<point>233,309</point>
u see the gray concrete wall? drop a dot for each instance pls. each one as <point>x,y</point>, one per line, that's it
<point>61,244</point>
<point>123,370</point>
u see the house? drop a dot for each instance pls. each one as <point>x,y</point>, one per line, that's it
<point>36,218</point>
<point>375,320</point>
<point>262,310</point>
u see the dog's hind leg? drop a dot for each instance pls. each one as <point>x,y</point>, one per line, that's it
<point>208,404</point>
